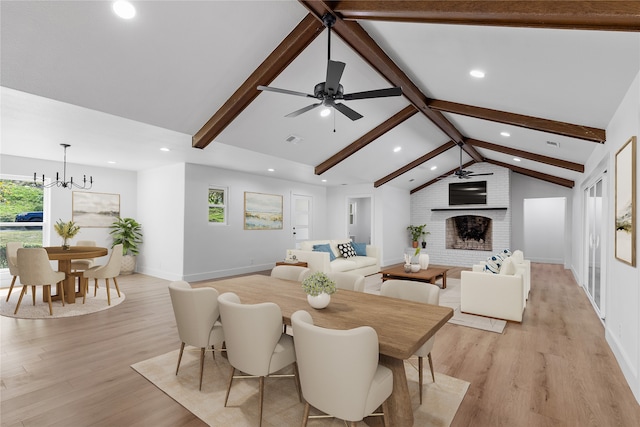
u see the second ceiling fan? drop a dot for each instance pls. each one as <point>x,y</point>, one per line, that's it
<point>329,91</point>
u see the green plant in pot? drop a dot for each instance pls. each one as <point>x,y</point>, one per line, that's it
<point>66,230</point>
<point>128,232</point>
<point>319,288</point>
<point>416,232</point>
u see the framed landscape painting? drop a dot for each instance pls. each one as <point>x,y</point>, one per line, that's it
<point>262,211</point>
<point>625,204</point>
<point>95,209</point>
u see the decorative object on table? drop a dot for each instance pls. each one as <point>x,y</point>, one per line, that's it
<point>64,183</point>
<point>424,243</point>
<point>416,232</point>
<point>625,203</point>
<point>95,209</point>
<point>66,230</point>
<point>262,211</point>
<point>318,288</point>
<point>407,263</point>
<point>414,268</point>
<point>423,260</point>
<point>128,232</point>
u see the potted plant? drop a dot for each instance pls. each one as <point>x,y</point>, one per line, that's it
<point>128,232</point>
<point>416,232</point>
<point>66,230</point>
<point>318,288</point>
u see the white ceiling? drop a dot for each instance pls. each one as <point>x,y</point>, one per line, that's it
<point>120,90</point>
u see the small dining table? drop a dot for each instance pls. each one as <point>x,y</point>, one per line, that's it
<point>402,326</point>
<point>64,258</point>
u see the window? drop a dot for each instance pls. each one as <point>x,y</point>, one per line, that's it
<point>21,215</point>
<point>218,205</point>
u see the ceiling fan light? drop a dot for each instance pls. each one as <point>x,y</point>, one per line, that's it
<point>325,112</point>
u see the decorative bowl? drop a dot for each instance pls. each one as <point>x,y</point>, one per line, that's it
<point>415,268</point>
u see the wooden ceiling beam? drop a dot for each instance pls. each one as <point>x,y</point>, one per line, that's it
<point>441,177</point>
<point>539,175</point>
<point>366,139</point>
<point>527,155</point>
<point>528,122</point>
<point>581,15</point>
<point>301,36</point>
<point>415,163</point>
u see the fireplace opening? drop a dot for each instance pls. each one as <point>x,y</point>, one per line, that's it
<point>469,232</point>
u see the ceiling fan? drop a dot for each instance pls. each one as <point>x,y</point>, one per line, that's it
<point>463,174</point>
<point>329,91</point>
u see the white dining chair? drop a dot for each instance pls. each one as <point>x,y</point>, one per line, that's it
<point>111,270</point>
<point>35,270</point>
<point>420,292</point>
<point>341,386</point>
<point>348,281</point>
<point>254,340</point>
<point>290,272</point>
<point>83,264</point>
<point>12,261</point>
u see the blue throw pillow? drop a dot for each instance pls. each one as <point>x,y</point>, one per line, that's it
<point>325,248</point>
<point>493,264</point>
<point>361,248</point>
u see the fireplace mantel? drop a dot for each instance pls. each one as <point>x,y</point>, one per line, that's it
<point>469,209</point>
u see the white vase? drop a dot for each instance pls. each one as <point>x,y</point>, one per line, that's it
<point>424,261</point>
<point>319,301</point>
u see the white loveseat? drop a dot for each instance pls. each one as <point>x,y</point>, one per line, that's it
<point>320,261</point>
<point>501,296</point>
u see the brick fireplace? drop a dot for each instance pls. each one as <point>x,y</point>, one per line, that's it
<point>469,232</point>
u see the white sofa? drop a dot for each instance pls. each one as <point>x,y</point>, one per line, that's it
<point>501,296</point>
<point>320,261</point>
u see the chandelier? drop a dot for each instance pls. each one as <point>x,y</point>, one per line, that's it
<point>63,182</point>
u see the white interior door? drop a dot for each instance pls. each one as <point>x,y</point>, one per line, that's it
<point>301,221</point>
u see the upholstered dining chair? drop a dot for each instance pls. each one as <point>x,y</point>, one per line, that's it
<point>35,270</point>
<point>419,292</point>
<point>290,272</point>
<point>348,281</point>
<point>198,319</point>
<point>349,388</point>
<point>255,343</point>
<point>12,260</point>
<point>83,264</point>
<point>110,270</point>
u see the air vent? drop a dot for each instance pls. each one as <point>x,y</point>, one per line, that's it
<point>553,144</point>
<point>293,139</point>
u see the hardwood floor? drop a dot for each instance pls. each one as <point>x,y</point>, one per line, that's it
<point>554,369</point>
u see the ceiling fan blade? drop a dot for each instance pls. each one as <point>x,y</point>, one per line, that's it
<point>353,115</point>
<point>304,110</point>
<point>334,74</point>
<point>378,93</point>
<point>480,174</point>
<point>285,91</point>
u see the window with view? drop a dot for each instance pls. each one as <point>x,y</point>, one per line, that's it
<point>21,215</point>
<point>217,205</point>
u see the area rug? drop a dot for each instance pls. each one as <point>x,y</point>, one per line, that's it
<point>281,405</point>
<point>41,309</point>
<point>449,297</point>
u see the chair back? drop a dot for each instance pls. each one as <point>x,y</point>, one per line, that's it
<point>12,257</point>
<point>86,243</point>
<point>251,333</point>
<point>348,281</point>
<point>196,311</point>
<point>290,272</point>
<point>331,380</point>
<point>35,268</point>
<point>112,267</point>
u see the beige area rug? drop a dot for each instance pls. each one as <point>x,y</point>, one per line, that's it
<point>41,309</point>
<point>449,297</point>
<point>281,405</point>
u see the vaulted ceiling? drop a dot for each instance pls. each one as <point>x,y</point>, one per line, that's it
<point>186,74</point>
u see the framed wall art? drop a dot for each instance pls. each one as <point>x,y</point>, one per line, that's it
<point>95,209</point>
<point>262,211</point>
<point>625,203</point>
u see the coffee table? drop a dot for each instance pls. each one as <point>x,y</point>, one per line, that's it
<point>430,275</point>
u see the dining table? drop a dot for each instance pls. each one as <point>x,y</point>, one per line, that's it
<point>64,256</point>
<point>402,326</point>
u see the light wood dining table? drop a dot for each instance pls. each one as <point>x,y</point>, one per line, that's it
<point>64,258</point>
<point>402,326</point>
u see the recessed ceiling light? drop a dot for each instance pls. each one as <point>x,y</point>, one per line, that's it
<point>478,74</point>
<point>434,168</point>
<point>395,150</point>
<point>271,170</point>
<point>515,159</point>
<point>111,162</point>
<point>164,149</point>
<point>124,9</point>
<point>325,112</point>
<point>505,134</point>
<point>324,180</point>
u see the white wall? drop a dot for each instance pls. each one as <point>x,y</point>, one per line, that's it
<point>544,229</point>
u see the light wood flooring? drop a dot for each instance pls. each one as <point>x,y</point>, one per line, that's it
<point>554,369</point>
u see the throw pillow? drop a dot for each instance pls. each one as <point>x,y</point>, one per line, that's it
<point>346,250</point>
<point>507,267</point>
<point>493,264</point>
<point>505,253</point>
<point>360,248</point>
<point>324,248</point>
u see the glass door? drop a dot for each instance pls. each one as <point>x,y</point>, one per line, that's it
<point>300,218</point>
<point>594,283</point>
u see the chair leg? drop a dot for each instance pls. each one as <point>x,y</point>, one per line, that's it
<point>95,287</point>
<point>33,291</point>
<point>201,366</point>
<point>61,292</point>
<point>305,416</point>
<point>233,371</point>
<point>117,288</point>
<point>24,289</point>
<point>179,357</point>
<point>420,376</point>
<point>433,376</point>
<point>296,377</point>
<point>261,399</point>
<point>108,293</point>
<point>13,282</point>
<point>50,307</point>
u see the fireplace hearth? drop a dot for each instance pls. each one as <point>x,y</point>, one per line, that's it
<point>469,232</point>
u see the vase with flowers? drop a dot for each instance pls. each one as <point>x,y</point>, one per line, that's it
<point>66,230</point>
<point>319,288</point>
